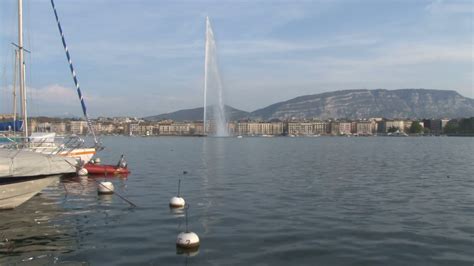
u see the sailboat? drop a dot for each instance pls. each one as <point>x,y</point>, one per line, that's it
<point>47,143</point>
<point>24,173</point>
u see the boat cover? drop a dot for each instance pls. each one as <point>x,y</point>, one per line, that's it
<point>11,126</point>
<point>21,163</point>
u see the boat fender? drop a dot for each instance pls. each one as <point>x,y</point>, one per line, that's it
<point>82,172</point>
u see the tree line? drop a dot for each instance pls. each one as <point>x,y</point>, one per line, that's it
<point>463,126</point>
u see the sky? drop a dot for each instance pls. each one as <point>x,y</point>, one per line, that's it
<point>146,57</point>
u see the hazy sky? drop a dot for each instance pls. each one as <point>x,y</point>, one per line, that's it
<point>141,58</point>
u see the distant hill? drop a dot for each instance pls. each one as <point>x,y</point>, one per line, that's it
<point>352,104</point>
<point>356,104</point>
<point>196,114</point>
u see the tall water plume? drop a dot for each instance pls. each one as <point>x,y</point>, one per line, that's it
<point>215,120</point>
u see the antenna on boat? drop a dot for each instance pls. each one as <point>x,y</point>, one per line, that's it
<point>74,77</point>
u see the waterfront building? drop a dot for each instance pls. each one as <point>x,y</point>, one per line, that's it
<point>436,126</point>
<point>59,128</point>
<point>294,128</point>
<point>242,128</point>
<point>78,127</point>
<point>277,128</point>
<point>256,128</point>
<point>145,130</point>
<point>198,128</point>
<point>366,128</point>
<point>260,128</point>
<point>306,129</point>
<point>231,128</point>
<point>345,128</point>
<point>97,126</point>
<point>340,128</point>
<point>334,128</point>
<point>320,128</point>
<point>42,127</point>
<point>133,129</point>
<point>176,128</point>
<point>384,126</point>
<point>6,116</point>
<point>353,127</point>
<point>107,128</point>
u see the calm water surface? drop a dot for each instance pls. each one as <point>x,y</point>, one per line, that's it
<point>260,201</point>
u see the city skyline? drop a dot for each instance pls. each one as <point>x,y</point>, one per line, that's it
<point>145,57</point>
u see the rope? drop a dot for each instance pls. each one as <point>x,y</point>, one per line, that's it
<point>120,196</point>
<point>74,77</point>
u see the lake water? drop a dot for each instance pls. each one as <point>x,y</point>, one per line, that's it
<point>260,201</point>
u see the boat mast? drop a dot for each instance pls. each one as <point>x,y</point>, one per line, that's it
<point>15,78</point>
<point>22,69</point>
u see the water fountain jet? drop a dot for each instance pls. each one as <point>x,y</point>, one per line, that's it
<point>213,89</point>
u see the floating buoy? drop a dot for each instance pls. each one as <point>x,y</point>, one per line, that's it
<point>187,240</point>
<point>177,201</point>
<point>106,187</point>
<point>82,172</point>
<point>97,161</point>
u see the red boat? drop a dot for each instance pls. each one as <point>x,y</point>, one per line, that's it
<point>99,169</point>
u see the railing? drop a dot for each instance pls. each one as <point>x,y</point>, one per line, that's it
<point>47,145</point>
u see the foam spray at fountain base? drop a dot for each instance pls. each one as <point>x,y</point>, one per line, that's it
<point>213,89</point>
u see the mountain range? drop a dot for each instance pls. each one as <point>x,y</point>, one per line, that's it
<point>351,104</point>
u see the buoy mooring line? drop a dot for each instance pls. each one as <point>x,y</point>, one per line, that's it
<point>120,196</point>
<point>178,202</point>
<point>187,240</point>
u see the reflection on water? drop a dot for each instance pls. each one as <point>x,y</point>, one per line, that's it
<point>189,252</point>
<point>260,201</point>
<point>33,231</point>
<point>51,224</point>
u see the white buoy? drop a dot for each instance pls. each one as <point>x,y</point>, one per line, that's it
<point>177,201</point>
<point>106,187</point>
<point>82,172</point>
<point>187,240</point>
<point>97,161</point>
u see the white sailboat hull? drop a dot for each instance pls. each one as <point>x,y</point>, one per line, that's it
<point>14,194</point>
<point>84,154</point>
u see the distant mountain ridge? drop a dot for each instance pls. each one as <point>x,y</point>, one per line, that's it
<point>196,114</point>
<point>355,104</point>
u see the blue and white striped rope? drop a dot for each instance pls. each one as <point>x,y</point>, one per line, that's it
<point>76,82</point>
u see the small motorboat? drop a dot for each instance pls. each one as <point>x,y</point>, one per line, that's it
<point>94,168</point>
<point>101,169</point>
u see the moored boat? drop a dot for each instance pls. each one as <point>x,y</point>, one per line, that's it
<point>23,174</point>
<point>98,169</point>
